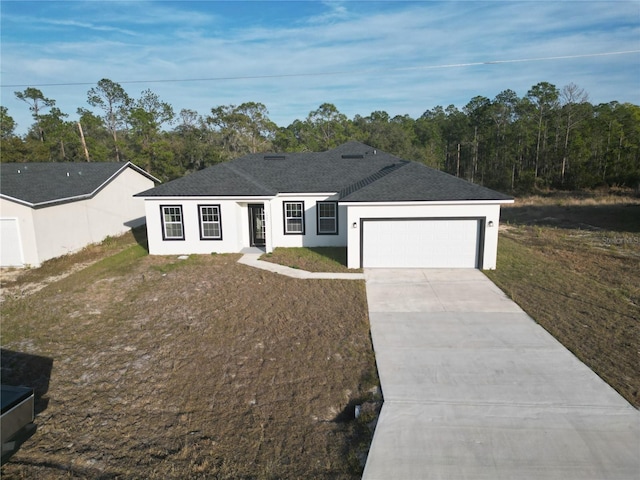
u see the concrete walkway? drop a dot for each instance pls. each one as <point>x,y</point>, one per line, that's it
<point>253,260</point>
<point>475,389</point>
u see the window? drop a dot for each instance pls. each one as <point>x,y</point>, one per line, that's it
<point>294,218</point>
<point>172,222</point>
<point>210,224</point>
<point>327,218</point>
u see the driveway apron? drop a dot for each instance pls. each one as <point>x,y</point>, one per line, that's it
<point>475,389</point>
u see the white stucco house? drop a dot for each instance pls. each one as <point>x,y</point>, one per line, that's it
<point>51,209</point>
<point>388,212</point>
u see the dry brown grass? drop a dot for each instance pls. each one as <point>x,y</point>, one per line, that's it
<point>313,259</point>
<point>578,199</point>
<point>575,269</point>
<point>198,368</point>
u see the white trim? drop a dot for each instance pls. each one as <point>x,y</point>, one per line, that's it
<point>165,223</point>
<point>306,194</point>
<point>427,202</point>
<point>142,172</point>
<point>205,198</point>
<point>288,215</point>
<point>214,213</point>
<point>16,200</point>
<point>246,199</point>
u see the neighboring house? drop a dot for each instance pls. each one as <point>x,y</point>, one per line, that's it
<point>51,209</point>
<point>388,212</point>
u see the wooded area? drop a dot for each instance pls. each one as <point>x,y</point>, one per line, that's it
<point>550,138</point>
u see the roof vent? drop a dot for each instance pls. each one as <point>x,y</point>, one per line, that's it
<point>357,155</point>
<point>274,157</point>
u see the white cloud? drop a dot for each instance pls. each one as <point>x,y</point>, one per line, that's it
<point>335,11</point>
<point>89,26</point>
<point>388,52</point>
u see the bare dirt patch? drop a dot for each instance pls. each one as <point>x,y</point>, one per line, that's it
<point>197,368</point>
<point>19,282</point>
<point>12,286</point>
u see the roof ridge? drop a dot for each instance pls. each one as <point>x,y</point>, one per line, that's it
<point>248,177</point>
<point>348,190</point>
<point>83,180</point>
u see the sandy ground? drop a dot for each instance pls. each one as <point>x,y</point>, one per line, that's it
<point>202,368</point>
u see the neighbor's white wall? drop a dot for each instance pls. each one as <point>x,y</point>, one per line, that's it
<point>66,228</point>
<point>26,231</point>
<point>355,212</point>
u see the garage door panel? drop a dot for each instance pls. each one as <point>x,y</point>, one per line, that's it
<point>433,243</point>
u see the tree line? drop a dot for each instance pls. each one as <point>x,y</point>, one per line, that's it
<point>550,138</point>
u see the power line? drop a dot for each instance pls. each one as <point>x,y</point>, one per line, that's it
<point>337,72</point>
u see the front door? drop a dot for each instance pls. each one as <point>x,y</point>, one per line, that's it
<point>257,228</point>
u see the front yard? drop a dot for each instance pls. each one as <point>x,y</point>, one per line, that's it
<point>154,367</point>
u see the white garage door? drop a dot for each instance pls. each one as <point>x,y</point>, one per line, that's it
<point>408,243</point>
<point>10,248</point>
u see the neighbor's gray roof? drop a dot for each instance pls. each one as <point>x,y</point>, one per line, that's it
<point>358,172</point>
<point>51,183</point>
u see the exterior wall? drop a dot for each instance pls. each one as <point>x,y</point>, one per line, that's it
<point>49,232</point>
<point>26,233</point>
<point>310,237</point>
<point>235,224</point>
<point>234,218</point>
<point>66,228</point>
<point>488,211</point>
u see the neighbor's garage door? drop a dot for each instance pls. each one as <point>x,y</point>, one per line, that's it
<point>419,243</point>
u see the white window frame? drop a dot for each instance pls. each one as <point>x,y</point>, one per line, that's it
<point>334,217</point>
<point>215,212</point>
<point>289,216</point>
<point>177,210</point>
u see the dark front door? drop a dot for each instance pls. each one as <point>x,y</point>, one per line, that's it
<point>257,225</point>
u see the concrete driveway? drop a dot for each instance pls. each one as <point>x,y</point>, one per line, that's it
<point>475,389</point>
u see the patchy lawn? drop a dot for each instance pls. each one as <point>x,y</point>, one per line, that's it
<point>154,367</point>
<point>313,259</point>
<point>575,268</point>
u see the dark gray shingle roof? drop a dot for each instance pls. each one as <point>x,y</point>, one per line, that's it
<point>416,182</point>
<point>40,184</point>
<point>358,172</point>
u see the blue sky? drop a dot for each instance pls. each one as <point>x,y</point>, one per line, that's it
<point>292,56</point>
